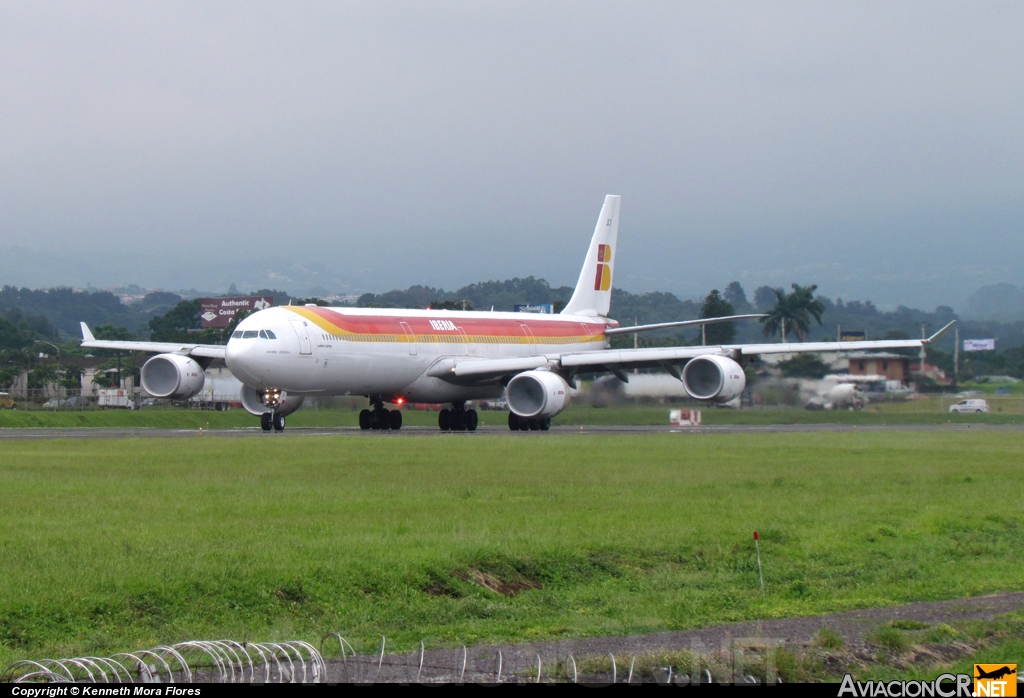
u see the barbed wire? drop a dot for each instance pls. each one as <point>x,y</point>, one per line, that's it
<point>296,661</point>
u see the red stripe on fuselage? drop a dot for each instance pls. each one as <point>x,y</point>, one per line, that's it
<point>339,323</point>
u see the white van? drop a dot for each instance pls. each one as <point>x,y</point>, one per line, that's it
<point>970,406</point>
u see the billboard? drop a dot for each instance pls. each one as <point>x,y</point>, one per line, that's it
<point>544,308</point>
<point>979,345</point>
<point>852,336</point>
<point>219,312</point>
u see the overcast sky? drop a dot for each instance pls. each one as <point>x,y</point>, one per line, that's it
<point>876,149</point>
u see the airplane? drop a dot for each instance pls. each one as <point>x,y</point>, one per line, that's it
<point>995,673</point>
<point>286,353</point>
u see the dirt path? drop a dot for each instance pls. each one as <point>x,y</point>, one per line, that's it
<point>520,662</point>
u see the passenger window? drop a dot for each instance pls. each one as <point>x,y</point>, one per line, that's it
<point>250,334</point>
<point>236,334</point>
<point>270,335</point>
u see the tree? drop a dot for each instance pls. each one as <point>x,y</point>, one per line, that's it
<point>42,376</point>
<point>793,312</point>
<point>9,374</point>
<point>450,305</point>
<point>113,332</point>
<point>71,377</point>
<point>765,298</point>
<point>737,297</point>
<point>18,331</point>
<point>719,332</point>
<point>804,366</point>
<point>106,374</point>
<point>182,324</point>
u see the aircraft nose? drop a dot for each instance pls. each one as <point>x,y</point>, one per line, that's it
<point>238,357</point>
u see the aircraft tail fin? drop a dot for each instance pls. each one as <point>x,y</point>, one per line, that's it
<point>593,294</point>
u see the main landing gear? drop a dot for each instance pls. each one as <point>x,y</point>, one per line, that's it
<point>517,423</point>
<point>458,418</point>
<point>380,418</point>
<point>272,420</point>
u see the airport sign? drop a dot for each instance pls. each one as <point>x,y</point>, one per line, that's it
<point>979,345</point>
<point>219,312</point>
<point>543,308</point>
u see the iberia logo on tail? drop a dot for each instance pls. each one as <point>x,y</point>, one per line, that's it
<point>995,680</point>
<point>603,281</point>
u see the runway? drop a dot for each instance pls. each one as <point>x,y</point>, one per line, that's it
<point>44,433</point>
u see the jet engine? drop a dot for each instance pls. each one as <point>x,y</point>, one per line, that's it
<point>270,400</point>
<point>537,394</point>
<point>172,376</point>
<point>714,378</point>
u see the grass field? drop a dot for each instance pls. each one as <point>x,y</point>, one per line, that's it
<point>925,412</point>
<point>118,544</point>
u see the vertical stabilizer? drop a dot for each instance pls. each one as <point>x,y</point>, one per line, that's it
<point>593,294</point>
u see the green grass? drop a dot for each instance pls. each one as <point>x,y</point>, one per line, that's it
<point>180,418</point>
<point>582,415</point>
<point>994,642</point>
<point>711,416</point>
<point>116,544</point>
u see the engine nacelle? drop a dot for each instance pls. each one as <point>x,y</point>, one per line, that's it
<point>172,376</point>
<point>714,378</point>
<point>537,394</point>
<point>285,404</point>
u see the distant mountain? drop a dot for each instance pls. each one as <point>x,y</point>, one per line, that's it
<point>1003,302</point>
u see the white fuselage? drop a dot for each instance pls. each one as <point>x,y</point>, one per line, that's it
<point>388,354</point>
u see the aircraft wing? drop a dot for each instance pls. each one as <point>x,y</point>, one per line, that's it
<point>679,323</point>
<point>213,351</point>
<point>667,358</point>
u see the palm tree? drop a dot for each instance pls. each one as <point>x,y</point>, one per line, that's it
<point>793,310</point>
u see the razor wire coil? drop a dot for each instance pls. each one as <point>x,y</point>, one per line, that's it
<point>219,661</point>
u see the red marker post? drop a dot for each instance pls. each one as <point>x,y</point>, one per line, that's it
<point>760,572</point>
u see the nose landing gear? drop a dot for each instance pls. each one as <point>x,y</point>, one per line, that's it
<point>272,420</point>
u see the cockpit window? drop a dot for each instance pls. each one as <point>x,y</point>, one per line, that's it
<point>263,334</point>
<point>236,334</point>
<point>270,335</point>
<point>250,334</point>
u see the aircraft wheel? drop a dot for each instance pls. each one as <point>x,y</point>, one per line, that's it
<point>266,421</point>
<point>472,420</point>
<point>513,421</point>
<point>534,424</point>
<point>383,419</point>
<point>444,419</point>
<point>364,420</point>
<point>459,420</point>
<point>278,422</point>
<point>396,420</point>
<point>545,424</point>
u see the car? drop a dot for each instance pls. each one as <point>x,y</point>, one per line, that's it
<point>970,406</point>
